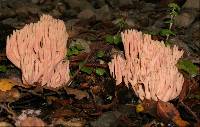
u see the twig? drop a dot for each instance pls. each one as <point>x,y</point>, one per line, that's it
<point>91,65</point>
<point>76,73</point>
<point>9,110</point>
<point>193,114</point>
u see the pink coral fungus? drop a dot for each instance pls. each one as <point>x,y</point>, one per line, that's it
<point>149,66</point>
<point>39,50</point>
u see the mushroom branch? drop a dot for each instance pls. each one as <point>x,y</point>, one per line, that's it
<point>39,50</point>
<point>149,66</point>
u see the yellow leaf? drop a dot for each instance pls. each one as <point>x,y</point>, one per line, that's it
<point>6,84</point>
<point>139,108</point>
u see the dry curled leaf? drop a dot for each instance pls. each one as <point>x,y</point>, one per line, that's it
<point>9,96</point>
<point>72,122</point>
<point>79,94</point>
<point>168,112</point>
<point>5,124</point>
<point>32,122</point>
<point>63,113</point>
<point>6,84</point>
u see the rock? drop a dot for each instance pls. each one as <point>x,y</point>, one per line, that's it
<point>177,40</point>
<point>86,14</point>
<point>148,7</point>
<point>113,3</point>
<point>108,119</point>
<point>130,22</point>
<point>72,22</point>
<point>194,36</point>
<point>28,9</point>
<point>61,7</point>
<point>99,3</point>
<point>18,3</point>
<point>192,4</point>
<point>103,13</point>
<point>6,13</point>
<point>35,1</point>
<point>125,3</point>
<point>185,18</point>
<point>189,45</point>
<point>14,22</point>
<point>55,13</point>
<point>79,4</point>
<point>70,13</point>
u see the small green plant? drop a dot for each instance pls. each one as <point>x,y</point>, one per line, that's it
<point>75,50</point>
<point>3,68</point>
<point>116,39</point>
<point>121,23</point>
<point>87,70</point>
<point>188,67</point>
<point>173,11</point>
<point>113,39</point>
<point>100,54</point>
<point>90,70</point>
<point>100,71</point>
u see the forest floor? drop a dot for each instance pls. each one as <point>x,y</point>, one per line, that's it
<point>92,97</point>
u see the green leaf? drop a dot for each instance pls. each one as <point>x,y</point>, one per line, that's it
<point>169,21</point>
<point>3,68</point>
<point>100,71</point>
<point>79,47</point>
<point>117,39</point>
<point>168,43</point>
<point>73,51</point>
<point>173,13</point>
<point>151,32</point>
<point>188,67</point>
<point>166,32</point>
<point>109,39</point>
<point>174,6</point>
<point>100,54</point>
<point>87,70</point>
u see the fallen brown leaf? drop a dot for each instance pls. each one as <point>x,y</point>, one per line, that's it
<point>6,84</point>
<point>167,112</point>
<point>79,94</point>
<point>63,113</point>
<point>32,122</point>
<point>9,96</point>
<point>74,122</point>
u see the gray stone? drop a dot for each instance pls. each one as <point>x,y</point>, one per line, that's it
<point>192,4</point>
<point>55,13</point>
<point>185,18</point>
<point>100,3</point>
<point>86,14</point>
<point>61,7</point>
<point>103,13</point>
<point>13,22</point>
<point>194,36</point>
<point>129,21</point>
<point>79,4</point>
<point>70,13</point>
<point>108,119</point>
<point>125,2</point>
<point>177,40</point>
<point>28,9</point>
<point>72,22</point>
<point>113,3</point>
<point>6,13</point>
<point>35,1</point>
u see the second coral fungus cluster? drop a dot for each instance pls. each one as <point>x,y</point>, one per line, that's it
<point>149,66</point>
